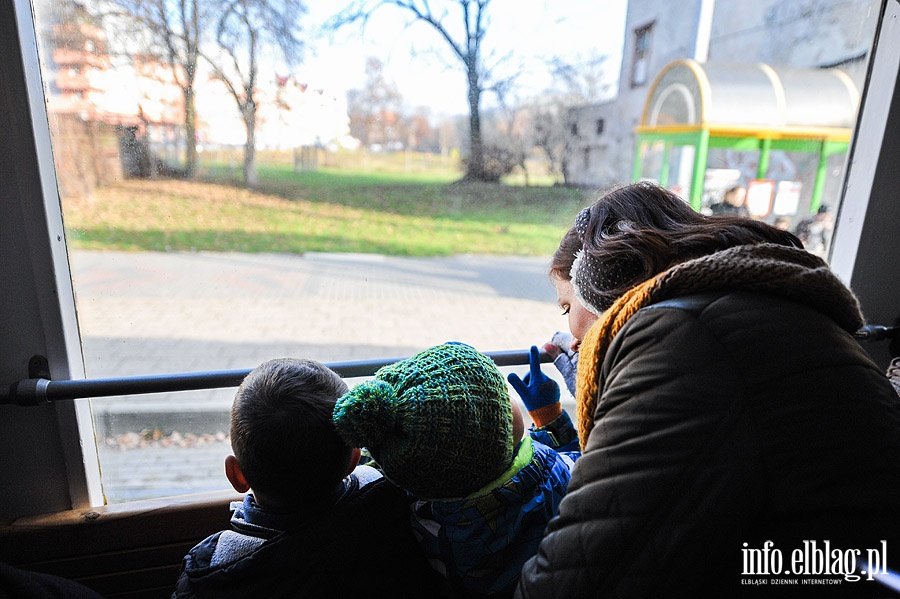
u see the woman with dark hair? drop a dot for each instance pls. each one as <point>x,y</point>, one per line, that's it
<point>726,413</point>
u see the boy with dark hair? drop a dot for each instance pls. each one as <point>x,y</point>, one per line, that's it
<point>281,411</point>
<point>313,515</point>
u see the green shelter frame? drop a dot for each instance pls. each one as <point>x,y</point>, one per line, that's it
<point>745,107</point>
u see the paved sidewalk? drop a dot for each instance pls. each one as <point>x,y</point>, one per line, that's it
<point>156,313</point>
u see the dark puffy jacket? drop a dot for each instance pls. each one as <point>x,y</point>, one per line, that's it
<point>726,421</point>
<point>363,547</point>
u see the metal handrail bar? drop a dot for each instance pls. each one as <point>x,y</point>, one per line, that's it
<point>35,391</point>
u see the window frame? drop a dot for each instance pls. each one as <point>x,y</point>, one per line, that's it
<point>55,462</point>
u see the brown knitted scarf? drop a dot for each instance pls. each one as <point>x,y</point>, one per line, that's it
<point>769,268</point>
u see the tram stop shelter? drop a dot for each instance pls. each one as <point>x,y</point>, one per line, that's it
<point>745,107</point>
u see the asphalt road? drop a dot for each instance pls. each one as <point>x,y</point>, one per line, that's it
<point>159,313</point>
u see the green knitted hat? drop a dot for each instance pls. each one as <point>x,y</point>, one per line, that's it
<point>438,423</point>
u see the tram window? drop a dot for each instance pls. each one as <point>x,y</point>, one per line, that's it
<point>343,238</point>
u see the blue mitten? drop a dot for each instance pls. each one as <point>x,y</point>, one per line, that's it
<point>539,392</point>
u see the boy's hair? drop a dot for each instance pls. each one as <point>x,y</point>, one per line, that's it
<point>282,433</point>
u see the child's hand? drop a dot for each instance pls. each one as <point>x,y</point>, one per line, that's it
<point>563,342</point>
<point>537,390</point>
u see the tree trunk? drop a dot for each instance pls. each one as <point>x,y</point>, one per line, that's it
<point>250,175</point>
<point>190,132</point>
<point>251,179</point>
<point>475,167</point>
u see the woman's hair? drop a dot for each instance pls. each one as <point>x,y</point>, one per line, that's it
<point>282,432</point>
<point>637,231</point>
<point>564,256</point>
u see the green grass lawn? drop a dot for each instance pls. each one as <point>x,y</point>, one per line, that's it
<point>325,211</point>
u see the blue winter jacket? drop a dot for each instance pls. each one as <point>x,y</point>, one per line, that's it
<point>480,542</point>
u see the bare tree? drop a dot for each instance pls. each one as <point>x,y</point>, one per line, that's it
<point>372,109</point>
<point>245,30</point>
<point>512,139</point>
<point>421,134</point>
<point>582,80</point>
<point>549,133</point>
<point>465,39</point>
<point>173,29</point>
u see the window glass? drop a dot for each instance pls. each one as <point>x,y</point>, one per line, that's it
<point>326,200</point>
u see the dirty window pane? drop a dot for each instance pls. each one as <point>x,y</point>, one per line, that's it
<point>342,211</point>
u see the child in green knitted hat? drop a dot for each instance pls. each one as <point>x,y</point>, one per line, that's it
<point>442,426</point>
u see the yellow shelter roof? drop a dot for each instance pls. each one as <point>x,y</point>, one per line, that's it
<point>757,99</point>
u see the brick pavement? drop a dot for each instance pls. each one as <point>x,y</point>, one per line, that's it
<point>155,313</point>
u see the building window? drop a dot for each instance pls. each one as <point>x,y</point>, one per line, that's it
<point>640,64</point>
<point>600,124</point>
<point>573,129</point>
